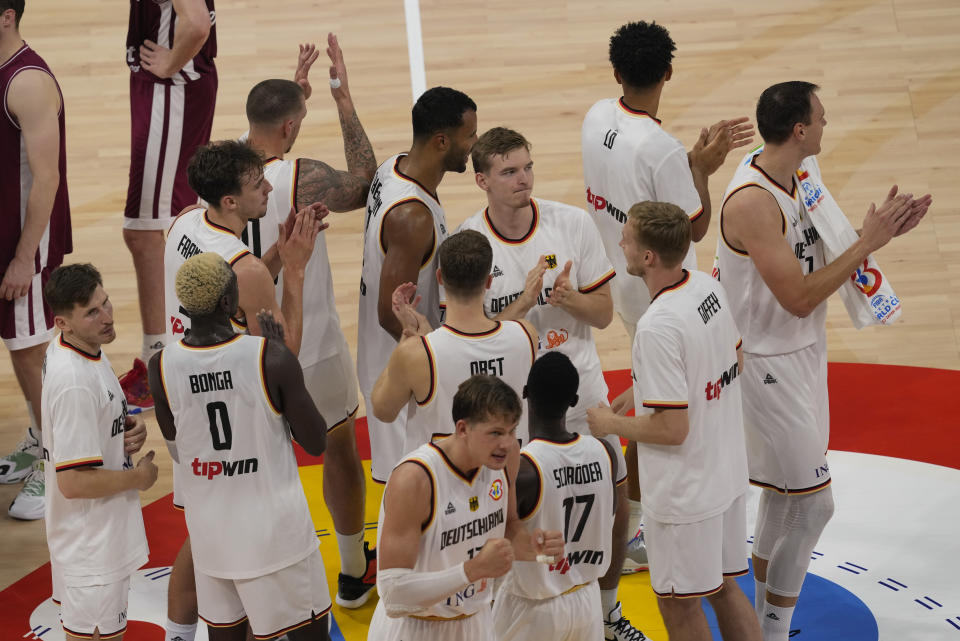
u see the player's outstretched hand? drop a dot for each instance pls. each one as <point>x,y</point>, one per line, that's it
<point>270,328</point>
<point>623,403</point>
<point>562,289</point>
<point>494,560</point>
<point>339,88</point>
<point>147,471</point>
<point>404,301</point>
<point>882,223</point>
<point>713,145</point>
<point>307,55</point>
<point>548,543</point>
<point>296,249</point>
<point>134,434</point>
<point>599,419</point>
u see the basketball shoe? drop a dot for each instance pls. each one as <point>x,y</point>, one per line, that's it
<point>29,503</point>
<point>354,591</point>
<point>617,627</point>
<point>16,466</point>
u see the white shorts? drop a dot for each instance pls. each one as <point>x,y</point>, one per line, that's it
<point>786,418</point>
<point>332,384</point>
<point>274,603</point>
<point>574,616</point>
<point>85,609</point>
<point>27,321</point>
<point>386,443</point>
<point>477,627</point>
<point>692,559</point>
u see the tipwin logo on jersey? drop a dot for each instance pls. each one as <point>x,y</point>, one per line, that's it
<point>496,490</point>
<point>211,469</point>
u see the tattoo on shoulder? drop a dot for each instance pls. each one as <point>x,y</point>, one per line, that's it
<point>319,182</point>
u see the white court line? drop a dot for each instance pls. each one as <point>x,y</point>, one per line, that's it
<point>418,76</point>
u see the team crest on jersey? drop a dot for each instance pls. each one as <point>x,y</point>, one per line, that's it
<point>551,261</point>
<point>496,490</point>
<point>474,504</point>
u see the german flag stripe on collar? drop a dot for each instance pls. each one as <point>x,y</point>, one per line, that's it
<point>636,112</point>
<point>677,285</point>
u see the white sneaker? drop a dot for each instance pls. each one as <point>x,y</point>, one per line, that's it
<point>29,504</point>
<point>16,466</point>
<point>636,560</point>
<point>617,627</point>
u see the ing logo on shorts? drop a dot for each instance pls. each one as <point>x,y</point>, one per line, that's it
<point>496,490</point>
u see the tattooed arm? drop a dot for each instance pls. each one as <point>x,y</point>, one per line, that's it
<point>318,181</point>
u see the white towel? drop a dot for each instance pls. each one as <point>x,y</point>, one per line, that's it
<point>867,294</point>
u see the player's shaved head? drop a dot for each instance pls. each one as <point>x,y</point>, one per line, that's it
<point>552,385</point>
<point>664,228</point>
<point>465,262</point>
<point>202,281</point>
<point>273,101</point>
<point>483,396</point>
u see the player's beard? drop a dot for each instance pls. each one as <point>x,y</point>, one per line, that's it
<point>455,160</point>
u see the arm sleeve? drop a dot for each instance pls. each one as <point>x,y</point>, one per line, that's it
<point>405,592</point>
<point>76,442</point>
<point>593,267</point>
<point>673,183</point>
<point>661,376</point>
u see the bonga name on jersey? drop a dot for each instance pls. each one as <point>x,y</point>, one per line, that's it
<point>476,527</point>
<point>227,468</point>
<point>600,203</point>
<point>187,248</point>
<point>578,474</point>
<point>714,387</point>
<point>211,382</point>
<point>500,303</point>
<point>492,366</point>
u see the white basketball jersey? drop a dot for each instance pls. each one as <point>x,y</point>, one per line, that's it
<point>685,357</point>
<point>244,504</point>
<point>389,189</point>
<point>322,336</point>
<point>92,541</point>
<point>506,351</point>
<point>576,498</point>
<point>627,159</point>
<point>767,327</point>
<point>561,233</point>
<point>465,513</point>
<point>192,233</point>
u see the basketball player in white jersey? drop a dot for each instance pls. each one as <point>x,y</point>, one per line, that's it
<point>424,371</point>
<point>552,271</point>
<point>275,111</point>
<point>629,158</point>
<point>405,225</point>
<point>93,518</point>
<point>565,480</point>
<point>448,523</point>
<point>228,405</point>
<point>689,431</point>
<point>770,259</point>
<point>229,176</point>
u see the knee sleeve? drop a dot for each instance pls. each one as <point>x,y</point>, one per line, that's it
<point>807,516</point>
<point>771,517</point>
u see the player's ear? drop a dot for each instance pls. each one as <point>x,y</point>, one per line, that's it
<point>61,323</point>
<point>575,400</point>
<point>461,427</point>
<point>616,76</point>
<point>669,73</point>
<point>441,141</point>
<point>489,281</point>
<point>439,277</point>
<point>481,180</point>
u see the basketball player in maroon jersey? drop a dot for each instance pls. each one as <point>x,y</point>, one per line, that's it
<point>34,233</point>
<point>171,45</point>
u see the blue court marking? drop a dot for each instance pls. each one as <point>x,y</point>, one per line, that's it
<point>826,610</point>
<point>335,633</point>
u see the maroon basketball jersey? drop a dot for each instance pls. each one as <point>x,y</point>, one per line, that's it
<point>157,21</point>
<point>16,179</point>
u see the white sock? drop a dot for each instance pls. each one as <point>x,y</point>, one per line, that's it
<point>608,601</point>
<point>636,517</point>
<point>352,560</point>
<point>152,343</point>
<point>179,631</point>
<point>776,622</point>
<point>759,596</point>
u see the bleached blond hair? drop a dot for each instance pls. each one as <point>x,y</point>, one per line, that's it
<point>201,282</point>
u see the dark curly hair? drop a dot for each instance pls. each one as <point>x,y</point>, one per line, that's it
<point>641,52</point>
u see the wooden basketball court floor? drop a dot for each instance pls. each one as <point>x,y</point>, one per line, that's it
<point>889,72</point>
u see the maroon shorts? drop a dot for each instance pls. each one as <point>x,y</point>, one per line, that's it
<point>27,321</point>
<point>168,123</point>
